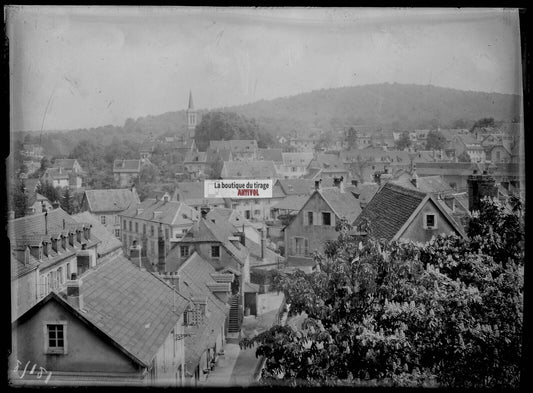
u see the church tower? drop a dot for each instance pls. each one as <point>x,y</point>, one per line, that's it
<point>192,117</point>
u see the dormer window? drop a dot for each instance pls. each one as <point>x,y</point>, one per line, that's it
<point>215,251</point>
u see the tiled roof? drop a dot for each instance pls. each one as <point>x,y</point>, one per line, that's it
<point>366,192</point>
<point>112,200</point>
<point>195,278</point>
<point>213,155</point>
<point>344,204</point>
<point>249,170</point>
<point>55,173</point>
<point>31,185</point>
<point>133,307</point>
<point>231,215</point>
<point>65,163</point>
<point>297,158</point>
<point>327,161</point>
<point>390,209</point>
<point>19,268</point>
<point>237,145</point>
<point>192,193</point>
<point>312,173</point>
<point>297,186</point>
<point>167,212</point>
<point>270,155</point>
<point>127,166</point>
<point>374,155</point>
<point>109,241</point>
<point>196,157</point>
<point>427,184</point>
<point>446,168</point>
<point>35,224</point>
<point>291,202</point>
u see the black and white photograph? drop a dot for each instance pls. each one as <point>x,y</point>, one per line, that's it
<point>207,197</point>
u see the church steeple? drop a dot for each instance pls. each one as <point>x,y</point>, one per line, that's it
<point>191,103</point>
<point>192,118</point>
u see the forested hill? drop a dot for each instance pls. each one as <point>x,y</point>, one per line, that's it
<point>391,106</point>
<point>397,105</point>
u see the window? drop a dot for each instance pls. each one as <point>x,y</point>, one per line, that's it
<point>60,275</point>
<point>152,230</point>
<point>215,251</point>
<point>257,212</point>
<point>130,226</point>
<point>102,220</point>
<point>55,338</point>
<point>117,233</point>
<point>136,227</point>
<point>430,221</point>
<point>326,218</point>
<point>300,246</point>
<point>68,271</point>
<point>167,233</point>
<point>247,214</point>
<point>124,224</point>
<point>184,251</point>
<point>144,229</point>
<point>309,216</point>
<point>117,220</point>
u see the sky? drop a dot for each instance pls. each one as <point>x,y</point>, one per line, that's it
<point>82,67</point>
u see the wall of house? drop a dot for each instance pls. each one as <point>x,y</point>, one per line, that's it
<point>316,235</point>
<point>86,351</point>
<point>259,208</point>
<point>170,359</point>
<point>125,179</point>
<point>416,232</point>
<point>24,293</point>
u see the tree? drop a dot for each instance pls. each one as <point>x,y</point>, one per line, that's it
<point>324,141</point>
<point>464,157</point>
<point>51,193</point>
<point>351,138</point>
<point>484,122</point>
<point>435,140</point>
<point>19,198</point>
<point>404,141</point>
<point>67,201</point>
<point>445,313</point>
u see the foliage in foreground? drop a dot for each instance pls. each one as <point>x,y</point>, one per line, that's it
<point>445,313</point>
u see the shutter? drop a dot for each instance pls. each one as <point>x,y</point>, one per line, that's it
<point>318,218</point>
<point>306,218</point>
<point>293,246</point>
<point>306,246</point>
<point>332,215</point>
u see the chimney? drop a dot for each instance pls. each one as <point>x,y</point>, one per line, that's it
<point>54,243</point>
<point>71,238</point>
<point>414,177</point>
<point>36,252</point>
<point>87,233</point>
<point>43,207</point>
<point>64,241</point>
<point>46,248</point>
<point>385,176</point>
<point>74,296</point>
<point>46,222</point>
<point>85,259</point>
<point>242,236</point>
<point>55,205</point>
<point>135,253</point>
<point>318,184</point>
<point>480,186</point>
<point>10,215</point>
<point>78,235</point>
<point>166,197</point>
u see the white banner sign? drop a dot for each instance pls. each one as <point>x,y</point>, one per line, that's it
<point>238,188</point>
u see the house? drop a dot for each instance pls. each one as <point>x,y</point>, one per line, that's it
<point>454,173</point>
<point>364,163</point>
<point>156,226</point>
<point>462,143</point>
<point>274,155</point>
<point>105,205</point>
<point>32,151</point>
<point>55,245</point>
<point>192,194</point>
<point>37,203</point>
<point>241,150</point>
<point>235,218</point>
<point>304,144</point>
<point>146,149</point>
<point>498,154</point>
<point>69,165</point>
<point>225,251</point>
<point>196,165</point>
<point>294,165</point>
<point>126,172</point>
<point>116,325</point>
<point>110,246</point>
<point>207,320</point>
<point>315,223</point>
<point>248,170</point>
<point>57,177</point>
<point>396,212</point>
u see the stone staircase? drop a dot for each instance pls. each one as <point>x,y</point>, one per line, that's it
<point>235,316</point>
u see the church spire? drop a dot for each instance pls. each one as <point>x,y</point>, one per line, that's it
<point>191,103</point>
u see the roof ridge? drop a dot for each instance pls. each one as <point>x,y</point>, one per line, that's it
<point>404,190</point>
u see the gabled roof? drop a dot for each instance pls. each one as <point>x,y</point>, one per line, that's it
<point>249,170</point>
<point>427,184</point>
<point>366,191</point>
<point>127,166</point>
<point>270,155</point>
<point>109,241</point>
<point>296,186</point>
<point>166,212</point>
<point>112,200</point>
<point>196,274</point>
<point>55,173</point>
<point>344,204</point>
<point>446,168</point>
<point>291,202</point>
<point>133,308</point>
<point>297,158</point>
<point>235,145</point>
<point>213,155</point>
<point>36,224</point>
<point>392,209</point>
<point>374,155</point>
<point>192,193</point>
<point>65,163</point>
<point>326,160</point>
<point>196,157</point>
